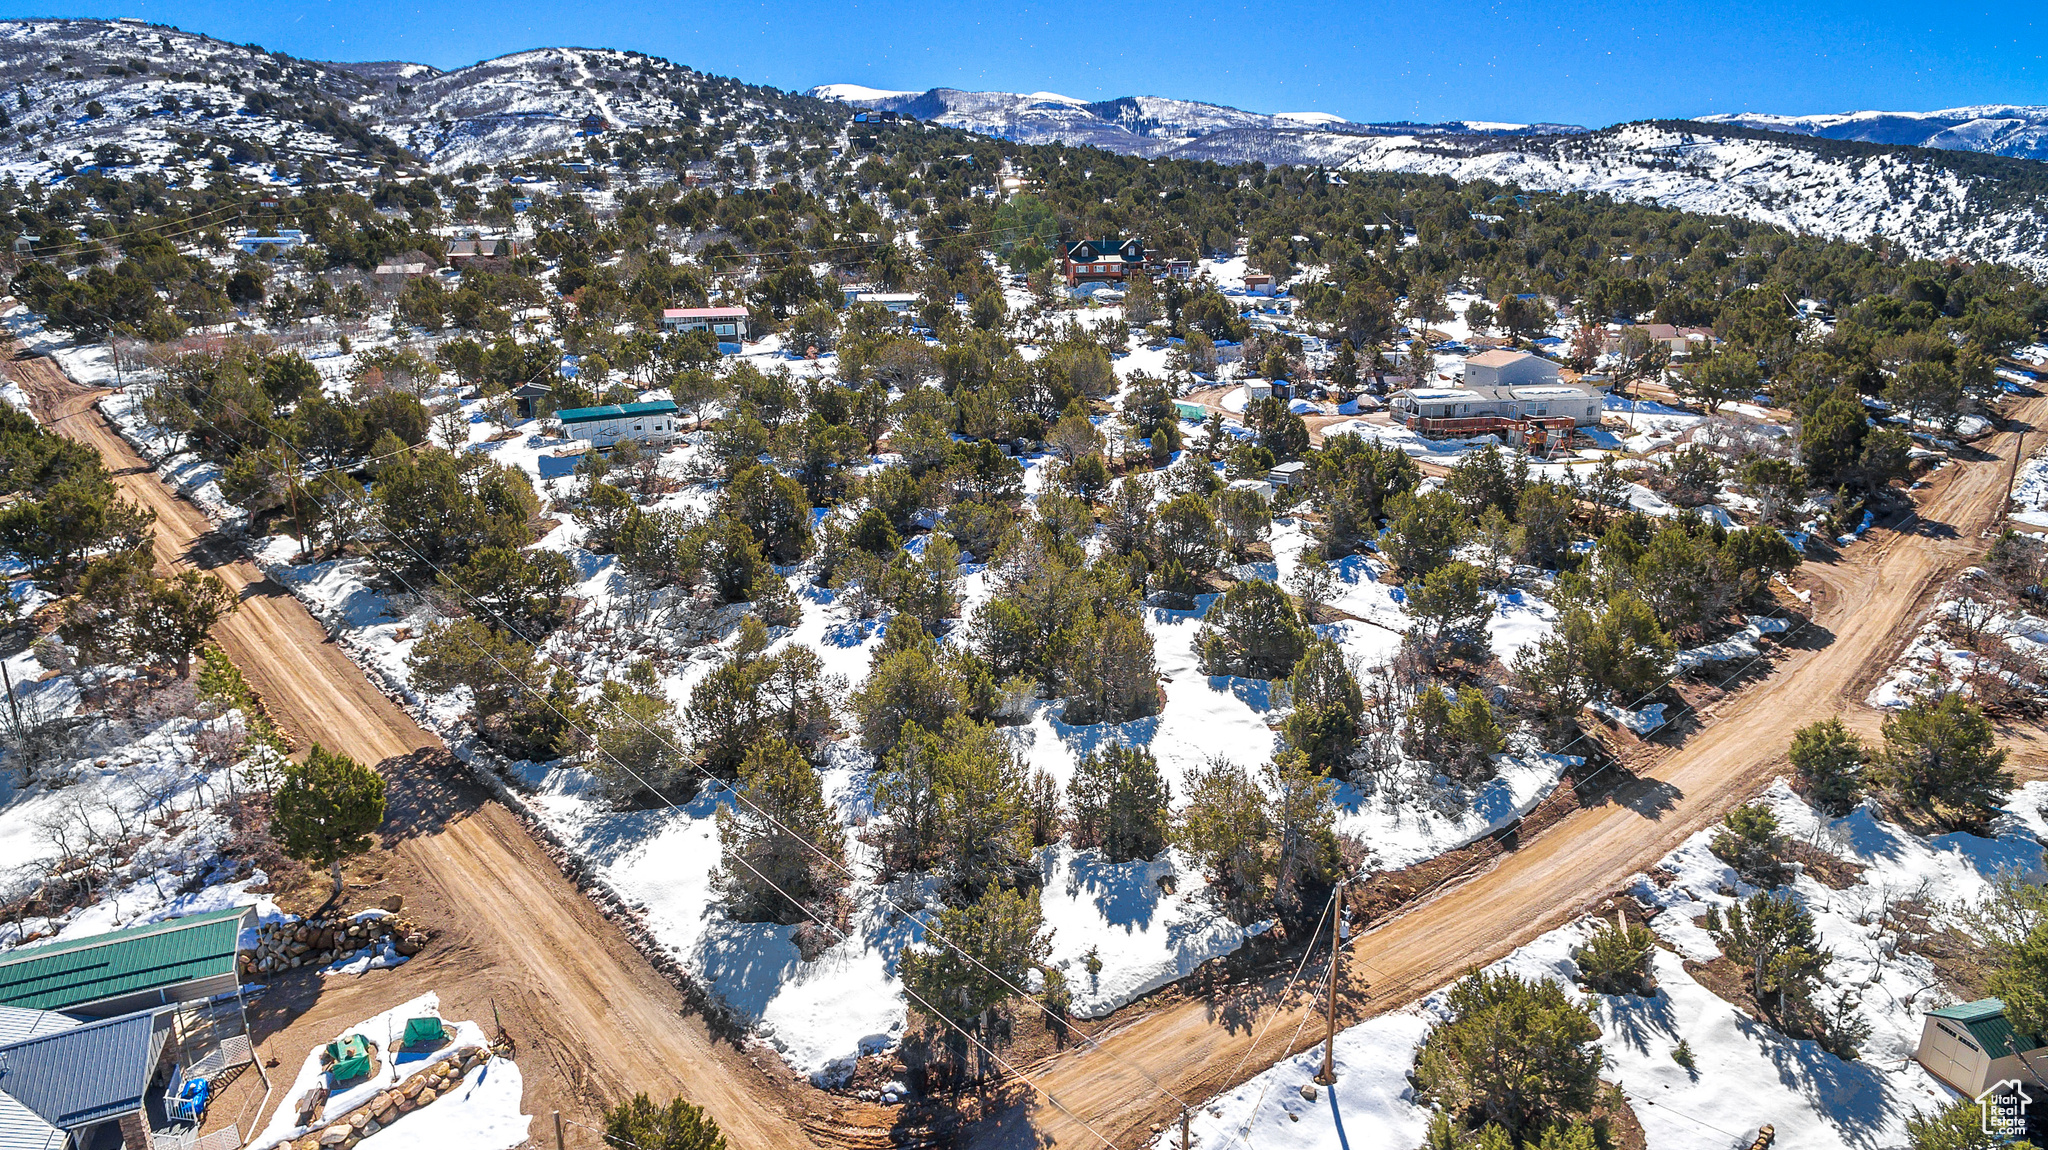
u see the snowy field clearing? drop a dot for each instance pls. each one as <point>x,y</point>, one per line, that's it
<point>1747,1074</point>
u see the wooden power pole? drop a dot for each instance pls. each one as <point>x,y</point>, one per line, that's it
<point>2019,452</point>
<point>1329,1075</point>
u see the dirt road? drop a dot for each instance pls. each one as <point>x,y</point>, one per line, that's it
<point>593,1020</point>
<point>1866,604</point>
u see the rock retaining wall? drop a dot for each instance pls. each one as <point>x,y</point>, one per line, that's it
<point>321,941</point>
<point>389,1106</point>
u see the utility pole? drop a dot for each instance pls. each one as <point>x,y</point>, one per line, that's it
<point>1186,1143</point>
<point>558,1130</point>
<point>1329,1075</point>
<point>2019,452</point>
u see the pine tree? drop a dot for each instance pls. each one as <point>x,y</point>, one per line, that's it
<point>1119,804</point>
<point>1304,841</point>
<point>912,683</point>
<point>1184,531</point>
<point>1772,938</point>
<point>1960,1126</point>
<point>1749,841</point>
<point>1328,707</point>
<point>988,947</point>
<point>1224,828</point>
<point>1826,760</point>
<point>325,808</point>
<point>1457,733</point>
<point>1625,652</point>
<point>1424,530</point>
<point>1448,609</point>
<point>769,839</point>
<point>1616,958</point>
<point>1516,1053</point>
<point>1941,755</point>
<point>1252,631</point>
<point>678,1126</point>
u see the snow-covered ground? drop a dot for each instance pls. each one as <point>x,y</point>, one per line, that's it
<point>1937,660</point>
<point>480,1114</point>
<point>136,797</point>
<point>2030,492</point>
<point>1746,1074</point>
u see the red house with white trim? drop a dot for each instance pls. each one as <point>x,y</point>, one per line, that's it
<point>728,324</point>
<point>1102,261</point>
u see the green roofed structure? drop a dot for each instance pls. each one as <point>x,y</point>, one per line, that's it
<point>1973,1047</point>
<point>180,960</point>
<point>653,422</point>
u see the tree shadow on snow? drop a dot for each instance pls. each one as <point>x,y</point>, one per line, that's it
<point>1126,894</point>
<point>1851,1094</point>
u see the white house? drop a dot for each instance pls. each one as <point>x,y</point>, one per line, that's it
<point>653,422</point>
<point>1558,400</point>
<point>893,302</point>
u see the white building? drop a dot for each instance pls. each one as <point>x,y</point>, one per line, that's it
<point>1558,400</point>
<point>653,422</point>
<point>1502,368</point>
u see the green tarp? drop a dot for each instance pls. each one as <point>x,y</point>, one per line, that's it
<point>351,1058</point>
<point>423,1030</point>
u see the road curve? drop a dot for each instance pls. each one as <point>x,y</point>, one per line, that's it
<point>1866,604</point>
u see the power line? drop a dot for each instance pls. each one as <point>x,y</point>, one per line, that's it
<point>740,796</point>
<point>930,929</point>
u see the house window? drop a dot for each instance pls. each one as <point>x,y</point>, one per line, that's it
<point>724,329</point>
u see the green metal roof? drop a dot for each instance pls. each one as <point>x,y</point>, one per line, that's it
<point>614,411</point>
<point>1986,1022</point>
<point>61,975</point>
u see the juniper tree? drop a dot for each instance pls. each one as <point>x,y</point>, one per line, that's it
<point>1826,760</point>
<point>325,808</point>
<point>781,842</point>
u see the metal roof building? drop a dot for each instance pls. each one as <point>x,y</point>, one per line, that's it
<point>1973,1046</point>
<point>91,1073</point>
<point>103,975</point>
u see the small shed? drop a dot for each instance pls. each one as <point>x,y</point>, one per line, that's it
<point>102,975</point>
<point>1192,412</point>
<point>652,422</point>
<point>1973,1047</point>
<point>1287,474</point>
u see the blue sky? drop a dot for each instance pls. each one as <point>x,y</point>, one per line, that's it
<point>1571,61</point>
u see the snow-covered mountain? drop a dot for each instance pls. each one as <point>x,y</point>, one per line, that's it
<point>2000,129</point>
<point>126,93</point>
<point>1979,208</point>
<point>532,102</point>
<point>1136,125</point>
<point>135,95</point>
